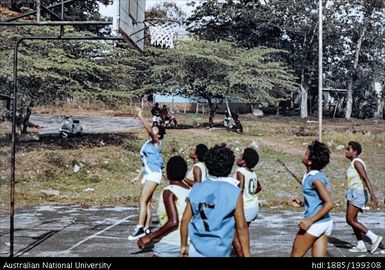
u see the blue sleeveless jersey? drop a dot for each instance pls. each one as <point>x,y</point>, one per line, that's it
<point>312,200</point>
<point>212,227</point>
<point>151,157</point>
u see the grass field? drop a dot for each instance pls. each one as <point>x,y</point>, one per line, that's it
<point>45,170</point>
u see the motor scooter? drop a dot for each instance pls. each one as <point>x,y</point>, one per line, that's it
<point>69,127</point>
<point>169,121</point>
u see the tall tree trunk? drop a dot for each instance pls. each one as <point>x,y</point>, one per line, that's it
<point>304,89</point>
<point>211,113</point>
<point>380,103</point>
<point>303,102</point>
<point>349,96</point>
<point>304,95</point>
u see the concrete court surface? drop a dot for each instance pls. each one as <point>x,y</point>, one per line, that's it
<point>72,231</point>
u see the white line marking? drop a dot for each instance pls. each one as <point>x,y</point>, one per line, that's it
<point>110,237</point>
<point>102,231</point>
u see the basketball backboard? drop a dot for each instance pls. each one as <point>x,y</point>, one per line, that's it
<point>131,22</point>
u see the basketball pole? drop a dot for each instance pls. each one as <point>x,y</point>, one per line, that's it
<point>14,111</point>
<point>320,52</point>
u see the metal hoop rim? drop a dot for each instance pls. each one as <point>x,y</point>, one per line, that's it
<point>161,20</point>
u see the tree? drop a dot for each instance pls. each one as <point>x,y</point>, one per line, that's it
<point>166,10</point>
<point>284,25</point>
<point>352,44</point>
<point>84,10</point>
<point>214,71</point>
<point>54,70</point>
<point>360,59</point>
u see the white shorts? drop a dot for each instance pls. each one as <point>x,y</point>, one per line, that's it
<point>153,176</point>
<point>251,213</point>
<point>166,250</point>
<point>317,229</point>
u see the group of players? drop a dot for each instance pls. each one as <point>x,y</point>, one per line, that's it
<point>206,212</point>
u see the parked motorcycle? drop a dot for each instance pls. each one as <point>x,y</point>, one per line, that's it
<point>169,122</point>
<point>70,127</point>
<point>166,123</point>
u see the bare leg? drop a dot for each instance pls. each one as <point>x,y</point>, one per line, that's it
<point>351,219</point>
<point>302,243</point>
<point>149,215</point>
<point>320,246</point>
<point>237,246</point>
<point>148,189</point>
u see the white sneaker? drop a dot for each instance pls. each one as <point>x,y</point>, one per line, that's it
<point>376,244</point>
<point>358,249</point>
<point>138,232</point>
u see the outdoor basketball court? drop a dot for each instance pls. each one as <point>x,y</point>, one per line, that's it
<point>72,231</point>
<point>130,25</point>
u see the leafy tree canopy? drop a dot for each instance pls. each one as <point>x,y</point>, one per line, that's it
<point>214,71</point>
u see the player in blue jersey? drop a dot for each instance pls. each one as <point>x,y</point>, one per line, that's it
<point>316,227</point>
<point>152,160</point>
<point>214,211</point>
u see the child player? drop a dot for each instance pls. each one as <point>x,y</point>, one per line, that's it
<point>170,209</point>
<point>357,183</point>
<point>250,186</point>
<point>316,227</point>
<point>214,211</point>
<point>198,173</point>
<point>151,175</point>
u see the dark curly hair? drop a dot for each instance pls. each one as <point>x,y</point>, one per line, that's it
<point>356,146</point>
<point>219,160</point>
<point>251,157</point>
<point>176,168</point>
<point>319,154</point>
<point>200,151</point>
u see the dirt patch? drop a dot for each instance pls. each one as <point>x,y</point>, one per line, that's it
<point>81,111</point>
<point>275,143</point>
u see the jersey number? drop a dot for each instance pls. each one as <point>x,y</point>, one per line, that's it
<point>203,215</point>
<point>252,186</point>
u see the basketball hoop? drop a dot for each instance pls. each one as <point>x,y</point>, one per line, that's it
<point>162,33</point>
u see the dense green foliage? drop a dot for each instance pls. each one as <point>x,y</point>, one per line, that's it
<point>214,71</point>
<point>293,26</point>
<point>232,55</point>
<point>52,71</point>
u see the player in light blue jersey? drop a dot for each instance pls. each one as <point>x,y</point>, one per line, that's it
<point>152,160</point>
<point>214,211</point>
<point>316,227</point>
